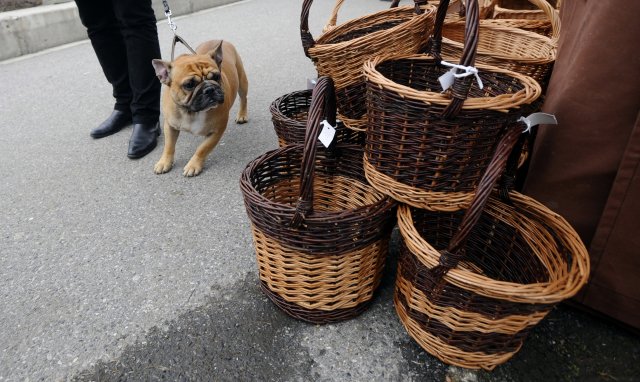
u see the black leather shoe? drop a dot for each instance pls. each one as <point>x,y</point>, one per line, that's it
<point>143,139</point>
<point>117,121</point>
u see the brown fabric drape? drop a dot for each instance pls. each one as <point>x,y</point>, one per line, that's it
<point>588,167</point>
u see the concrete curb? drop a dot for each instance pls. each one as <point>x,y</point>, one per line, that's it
<point>34,29</point>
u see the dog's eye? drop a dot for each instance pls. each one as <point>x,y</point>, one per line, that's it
<point>215,76</point>
<point>189,85</point>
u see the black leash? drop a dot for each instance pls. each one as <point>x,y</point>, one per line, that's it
<point>173,27</point>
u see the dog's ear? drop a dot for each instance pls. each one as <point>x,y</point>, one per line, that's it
<point>216,54</point>
<point>163,69</point>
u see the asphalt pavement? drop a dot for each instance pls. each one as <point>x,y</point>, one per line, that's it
<point>109,272</point>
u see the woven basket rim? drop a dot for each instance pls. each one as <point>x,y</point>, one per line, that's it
<point>533,58</point>
<point>384,202</point>
<point>544,292</point>
<point>275,106</point>
<point>531,91</point>
<point>321,44</point>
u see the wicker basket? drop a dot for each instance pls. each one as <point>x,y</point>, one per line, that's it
<point>341,50</point>
<point>505,47</point>
<point>544,21</point>
<point>471,285</point>
<point>289,116</point>
<point>427,148</point>
<point>320,231</point>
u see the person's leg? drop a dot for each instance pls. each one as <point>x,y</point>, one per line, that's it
<point>104,33</point>
<point>140,35</point>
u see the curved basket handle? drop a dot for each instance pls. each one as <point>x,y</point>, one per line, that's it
<point>454,253</point>
<point>309,42</point>
<point>553,15</point>
<point>334,14</point>
<point>461,86</point>
<point>323,104</point>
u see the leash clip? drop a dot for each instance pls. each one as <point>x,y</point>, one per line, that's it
<point>172,25</point>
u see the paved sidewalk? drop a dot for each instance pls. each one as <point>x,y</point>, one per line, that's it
<point>110,272</point>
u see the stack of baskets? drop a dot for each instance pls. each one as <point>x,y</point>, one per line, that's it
<point>478,268</point>
<point>480,264</point>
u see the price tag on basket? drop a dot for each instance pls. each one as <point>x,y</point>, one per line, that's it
<point>311,83</point>
<point>447,79</point>
<point>327,134</point>
<point>538,119</point>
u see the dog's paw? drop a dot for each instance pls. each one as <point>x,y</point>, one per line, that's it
<point>162,166</point>
<point>193,168</point>
<point>240,119</point>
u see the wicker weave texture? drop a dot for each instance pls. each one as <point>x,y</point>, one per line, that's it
<point>320,230</point>
<point>418,157</point>
<point>289,116</point>
<point>319,289</point>
<point>520,260</point>
<point>438,144</point>
<point>472,284</point>
<point>349,213</point>
<point>505,47</point>
<point>340,52</point>
<point>545,20</point>
<point>327,269</point>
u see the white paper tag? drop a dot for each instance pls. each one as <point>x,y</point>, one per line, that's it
<point>327,133</point>
<point>538,119</point>
<point>447,79</point>
<point>311,83</point>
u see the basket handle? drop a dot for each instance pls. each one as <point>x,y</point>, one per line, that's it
<point>486,8</point>
<point>309,42</point>
<point>461,86</point>
<point>334,14</point>
<point>323,104</point>
<point>454,253</point>
<point>553,15</point>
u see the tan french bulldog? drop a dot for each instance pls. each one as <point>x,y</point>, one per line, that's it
<point>202,87</point>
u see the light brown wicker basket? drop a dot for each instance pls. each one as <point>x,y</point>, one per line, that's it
<point>342,49</point>
<point>545,20</point>
<point>505,47</point>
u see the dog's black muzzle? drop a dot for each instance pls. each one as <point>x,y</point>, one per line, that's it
<point>206,95</point>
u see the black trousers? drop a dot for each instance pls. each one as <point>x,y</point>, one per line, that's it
<point>124,36</point>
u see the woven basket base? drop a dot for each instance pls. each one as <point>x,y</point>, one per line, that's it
<point>314,316</point>
<point>428,200</point>
<point>443,351</point>
<point>319,288</point>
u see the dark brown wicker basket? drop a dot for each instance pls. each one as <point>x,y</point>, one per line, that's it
<point>289,116</point>
<point>320,231</point>
<point>472,284</point>
<point>427,148</point>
